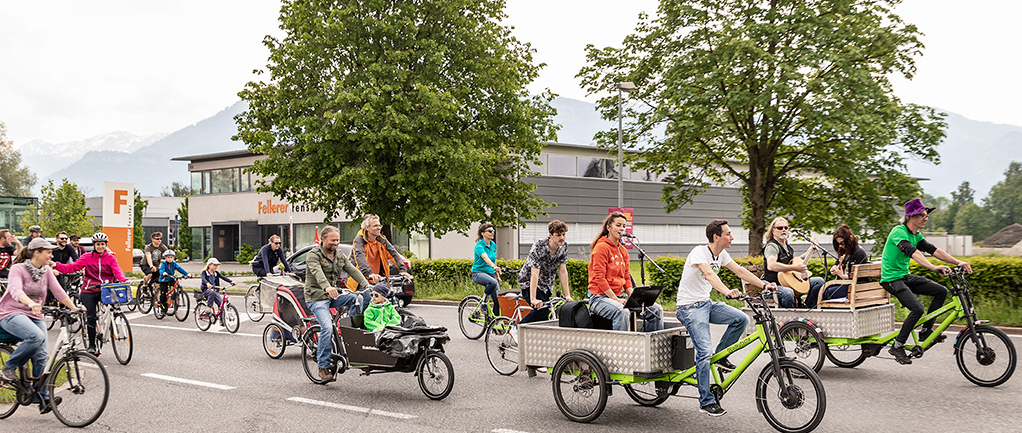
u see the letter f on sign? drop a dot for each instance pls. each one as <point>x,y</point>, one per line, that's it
<point>120,199</point>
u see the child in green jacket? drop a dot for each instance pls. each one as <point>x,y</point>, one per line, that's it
<point>380,312</point>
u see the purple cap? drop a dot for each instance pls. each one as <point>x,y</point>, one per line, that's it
<point>915,207</point>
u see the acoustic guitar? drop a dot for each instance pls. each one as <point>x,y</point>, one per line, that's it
<point>793,279</point>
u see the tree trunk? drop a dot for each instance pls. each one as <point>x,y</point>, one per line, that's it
<point>759,190</point>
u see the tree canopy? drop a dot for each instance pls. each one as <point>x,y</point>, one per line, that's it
<point>1005,198</point>
<point>415,110</point>
<point>138,237</point>
<point>60,208</point>
<point>788,100</point>
<point>15,180</point>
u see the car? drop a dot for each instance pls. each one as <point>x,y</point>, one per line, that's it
<point>297,263</point>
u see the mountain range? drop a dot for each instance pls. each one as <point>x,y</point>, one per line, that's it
<point>973,151</point>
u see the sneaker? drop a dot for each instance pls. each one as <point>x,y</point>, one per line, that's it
<point>713,409</point>
<point>325,374</point>
<point>926,334</point>
<point>900,355</point>
<point>9,374</point>
<point>725,364</point>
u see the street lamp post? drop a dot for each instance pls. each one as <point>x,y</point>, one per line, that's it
<point>622,88</point>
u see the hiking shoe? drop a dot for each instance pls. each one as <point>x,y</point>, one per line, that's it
<point>326,375</point>
<point>926,334</point>
<point>725,364</point>
<point>900,355</point>
<point>713,409</point>
<point>9,374</point>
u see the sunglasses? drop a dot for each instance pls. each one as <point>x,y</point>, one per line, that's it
<point>61,239</point>
<point>781,228</point>
<point>490,231</point>
<point>276,243</point>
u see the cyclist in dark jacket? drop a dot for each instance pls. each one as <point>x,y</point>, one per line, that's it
<point>268,258</point>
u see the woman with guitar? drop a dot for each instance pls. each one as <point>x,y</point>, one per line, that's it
<point>782,267</point>
<point>849,253</point>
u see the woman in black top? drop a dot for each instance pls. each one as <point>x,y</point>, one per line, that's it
<point>849,254</point>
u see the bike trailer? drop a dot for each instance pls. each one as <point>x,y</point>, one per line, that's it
<point>115,293</point>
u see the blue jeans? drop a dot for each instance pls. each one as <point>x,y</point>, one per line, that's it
<point>697,318</point>
<point>212,297</point>
<point>614,311</point>
<point>321,309</point>
<point>786,295</point>
<point>490,284</point>
<point>32,333</point>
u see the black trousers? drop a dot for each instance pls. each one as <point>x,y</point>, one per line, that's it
<point>903,289</point>
<point>540,314</point>
<point>90,301</point>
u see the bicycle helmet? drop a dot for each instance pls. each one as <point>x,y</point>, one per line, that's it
<point>170,253</point>
<point>100,237</point>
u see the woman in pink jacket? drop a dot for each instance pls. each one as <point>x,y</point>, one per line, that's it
<point>100,267</point>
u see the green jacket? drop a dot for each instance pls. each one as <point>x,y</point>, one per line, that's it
<point>378,316</point>
<point>322,273</point>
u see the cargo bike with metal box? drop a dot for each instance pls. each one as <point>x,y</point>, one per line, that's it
<point>652,366</point>
<point>849,335</point>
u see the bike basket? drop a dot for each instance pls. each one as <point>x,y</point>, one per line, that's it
<point>115,293</point>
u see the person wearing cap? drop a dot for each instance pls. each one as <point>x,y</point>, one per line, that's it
<point>381,312</point>
<point>21,310</point>
<point>100,267</point>
<point>210,280</point>
<point>905,243</point>
<point>33,233</point>
<point>167,270</point>
<point>74,239</point>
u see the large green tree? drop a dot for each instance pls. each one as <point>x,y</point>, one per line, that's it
<point>416,110</point>
<point>15,179</point>
<point>1005,198</point>
<point>789,100</point>
<point>60,208</point>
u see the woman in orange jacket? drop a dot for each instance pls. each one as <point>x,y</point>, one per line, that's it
<point>610,283</point>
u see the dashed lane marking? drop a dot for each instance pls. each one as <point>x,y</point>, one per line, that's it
<point>352,408</point>
<point>188,381</point>
<point>173,328</point>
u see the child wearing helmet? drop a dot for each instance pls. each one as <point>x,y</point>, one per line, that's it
<point>167,269</point>
<point>210,280</point>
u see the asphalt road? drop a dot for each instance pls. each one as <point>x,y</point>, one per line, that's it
<point>236,387</point>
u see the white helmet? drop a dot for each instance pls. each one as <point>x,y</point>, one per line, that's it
<point>170,253</point>
<point>100,237</point>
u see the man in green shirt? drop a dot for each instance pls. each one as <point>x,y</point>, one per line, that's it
<point>905,243</point>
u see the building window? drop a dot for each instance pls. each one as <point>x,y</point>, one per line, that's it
<point>225,180</point>
<point>561,165</point>
<point>601,168</point>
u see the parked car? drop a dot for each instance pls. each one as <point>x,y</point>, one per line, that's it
<point>297,263</point>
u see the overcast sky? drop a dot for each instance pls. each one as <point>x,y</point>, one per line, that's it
<point>70,70</point>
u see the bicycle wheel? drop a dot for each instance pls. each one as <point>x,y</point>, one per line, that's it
<point>436,375</point>
<point>309,363</point>
<point>184,305</point>
<point>253,307</point>
<point>8,392</point>
<point>502,346</point>
<point>988,362</point>
<point>804,342</point>
<point>646,394</point>
<point>846,356</point>
<point>471,317</point>
<point>230,318</point>
<point>120,338</point>
<point>144,298</point>
<point>80,381</point>
<point>794,402</point>
<point>273,341</point>
<point>203,318</point>
<point>580,386</point>
<point>133,303</point>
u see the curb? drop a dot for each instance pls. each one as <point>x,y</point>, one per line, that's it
<point>1010,330</point>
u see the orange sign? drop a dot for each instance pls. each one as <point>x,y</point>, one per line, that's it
<point>119,221</point>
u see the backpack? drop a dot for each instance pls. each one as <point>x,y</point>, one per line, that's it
<point>574,314</point>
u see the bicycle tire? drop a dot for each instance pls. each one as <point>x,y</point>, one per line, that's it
<point>578,375</point>
<point>436,375</point>
<point>803,341</point>
<point>646,394</point>
<point>8,390</point>
<point>144,298</point>
<point>229,317</point>
<point>253,307</point>
<point>973,361</point>
<point>203,322</point>
<point>849,356</point>
<point>82,384</point>
<point>501,346</point>
<point>801,391</point>
<point>120,338</point>
<point>309,362</point>
<point>471,327</point>
<point>159,311</point>
<point>273,345</point>
<point>183,303</point>
<point>133,303</point>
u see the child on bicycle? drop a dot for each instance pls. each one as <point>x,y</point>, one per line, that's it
<point>380,312</point>
<point>167,269</point>
<point>210,280</point>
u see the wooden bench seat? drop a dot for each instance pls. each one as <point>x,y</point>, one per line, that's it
<point>860,294</point>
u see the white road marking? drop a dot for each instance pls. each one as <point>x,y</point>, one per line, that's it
<point>504,430</point>
<point>188,381</point>
<point>192,329</point>
<point>351,408</point>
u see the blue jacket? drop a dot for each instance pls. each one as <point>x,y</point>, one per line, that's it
<point>267,259</point>
<point>169,268</point>
<point>212,280</point>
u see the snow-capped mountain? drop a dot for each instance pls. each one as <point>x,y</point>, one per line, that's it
<point>45,158</point>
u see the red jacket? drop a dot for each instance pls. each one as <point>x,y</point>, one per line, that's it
<point>608,268</point>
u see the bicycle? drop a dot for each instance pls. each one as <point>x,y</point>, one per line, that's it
<point>177,302</point>
<point>143,296</point>
<point>474,320</point>
<point>502,336</point>
<point>226,313</point>
<point>984,354</point>
<point>112,326</point>
<point>75,380</point>
<point>71,283</point>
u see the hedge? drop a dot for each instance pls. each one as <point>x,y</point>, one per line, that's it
<point>438,271</point>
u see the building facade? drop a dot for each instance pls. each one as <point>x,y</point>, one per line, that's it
<point>11,211</point>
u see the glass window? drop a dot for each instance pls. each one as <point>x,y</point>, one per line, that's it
<point>197,182</point>
<point>541,167</point>
<point>225,180</point>
<point>205,182</point>
<point>602,168</point>
<point>561,165</point>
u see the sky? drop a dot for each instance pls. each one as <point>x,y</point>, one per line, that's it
<point>70,70</point>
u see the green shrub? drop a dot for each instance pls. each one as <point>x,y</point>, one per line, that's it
<point>437,272</point>
<point>246,253</point>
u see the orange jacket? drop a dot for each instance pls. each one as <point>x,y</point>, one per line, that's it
<point>608,268</point>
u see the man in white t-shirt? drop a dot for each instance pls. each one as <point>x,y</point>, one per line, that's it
<point>696,311</point>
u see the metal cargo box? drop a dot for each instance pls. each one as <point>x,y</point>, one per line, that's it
<point>840,323</point>
<point>541,344</point>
